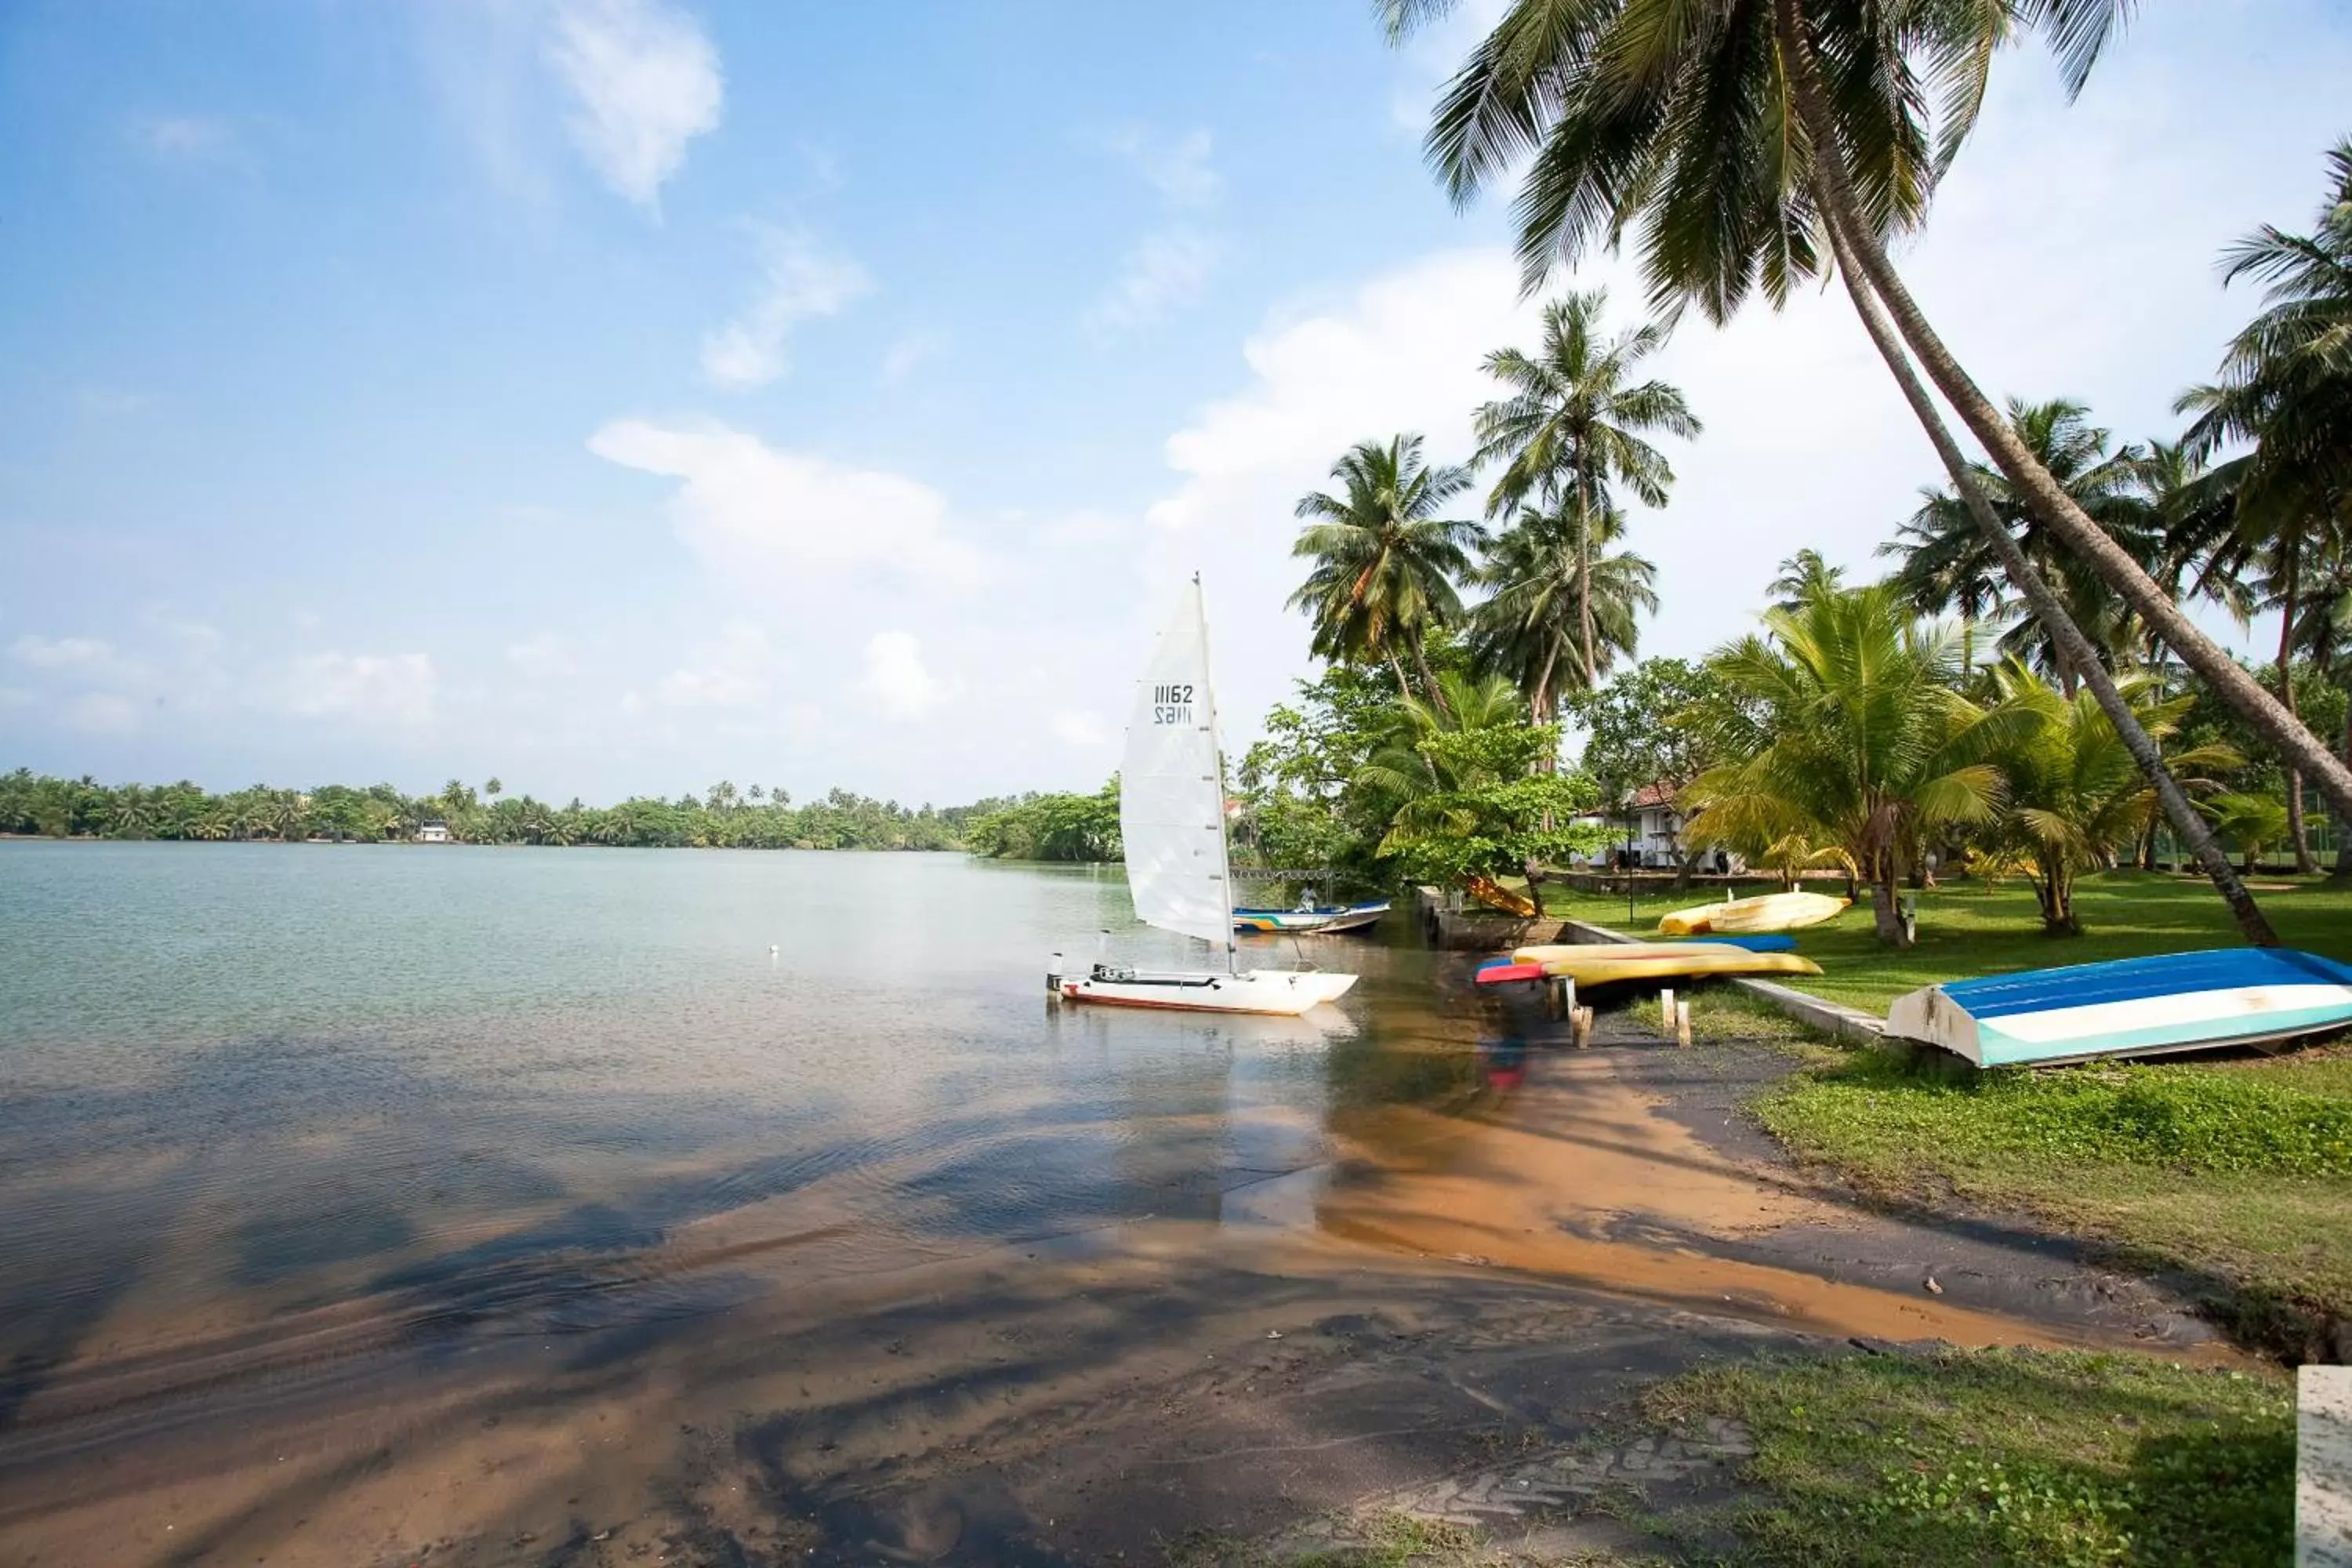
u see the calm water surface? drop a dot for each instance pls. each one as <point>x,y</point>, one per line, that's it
<point>241,1081</point>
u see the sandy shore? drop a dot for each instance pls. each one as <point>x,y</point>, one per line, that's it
<point>1495,1285</point>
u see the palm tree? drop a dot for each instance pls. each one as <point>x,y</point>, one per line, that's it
<point>1849,733</point>
<point>2252,822</point>
<point>1547,588</point>
<point>1572,427</point>
<point>2076,799</point>
<point>1744,145</point>
<point>133,814</point>
<point>1385,560</point>
<point>1801,576</point>
<point>2286,387</point>
<point>1947,564</point>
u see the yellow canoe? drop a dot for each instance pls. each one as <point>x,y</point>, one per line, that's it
<point>1496,896</point>
<point>1747,917</point>
<point>1603,963</point>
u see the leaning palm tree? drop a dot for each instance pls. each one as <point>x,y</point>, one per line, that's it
<point>1573,425</point>
<point>1744,144</point>
<point>1945,564</point>
<point>1385,557</point>
<point>1850,732</point>
<point>1551,579</point>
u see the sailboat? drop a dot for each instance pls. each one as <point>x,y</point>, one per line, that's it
<point>1171,816</point>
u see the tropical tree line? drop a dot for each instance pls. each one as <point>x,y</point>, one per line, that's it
<point>1749,147</point>
<point>721,817</point>
<point>1852,734</point>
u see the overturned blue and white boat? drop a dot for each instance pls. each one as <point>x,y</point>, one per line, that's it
<point>2130,1007</point>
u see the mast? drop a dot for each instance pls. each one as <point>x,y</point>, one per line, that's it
<point>1217,751</point>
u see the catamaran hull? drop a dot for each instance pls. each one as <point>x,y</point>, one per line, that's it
<point>2129,1007</point>
<point>1283,993</point>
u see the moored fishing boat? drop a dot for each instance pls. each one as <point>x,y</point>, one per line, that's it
<point>2129,1007</point>
<point>1326,919</point>
<point>1172,818</point>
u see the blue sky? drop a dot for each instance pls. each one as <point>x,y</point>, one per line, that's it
<point>617,395</point>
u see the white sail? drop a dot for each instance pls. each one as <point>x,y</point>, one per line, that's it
<point>1171,805</point>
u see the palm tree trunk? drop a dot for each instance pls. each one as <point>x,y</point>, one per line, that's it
<point>1428,681</point>
<point>1540,708</point>
<point>2191,827</point>
<point>1404,687</point>
<point>2343,870</point>
<point>1884,913</point>
<point>2224,675</point>
<point>1584,580</point>
<point>2290,603</point>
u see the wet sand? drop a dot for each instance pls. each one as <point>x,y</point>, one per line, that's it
<point>1500,1272</point>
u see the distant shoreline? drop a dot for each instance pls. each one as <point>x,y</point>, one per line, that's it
<point>6,838</point>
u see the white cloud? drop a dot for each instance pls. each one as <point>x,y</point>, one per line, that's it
<point>186,138</point>
<point>770,520</point>
<point>1081,730</point>
<point>103,713</point>
<point>646,80</point>
<point>1168,270</point>
<point>391,689</point>
<point>801,281</point>
<point>1177,169</point>
<point>895,679</point>
<point>91,655</point>
<point>732,672</point>
<point>909,350</point>
<point>1401,352</point>
<point>546,655</point>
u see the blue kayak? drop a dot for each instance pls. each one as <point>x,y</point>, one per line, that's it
<point>1763,941</point>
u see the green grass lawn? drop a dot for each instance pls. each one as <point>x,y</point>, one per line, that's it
<point>2238,1170</point>
<point>2002,1457</point>
<point>1965,931</point>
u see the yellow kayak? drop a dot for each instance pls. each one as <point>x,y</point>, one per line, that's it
<point>1746,917</point>
<point>1603,963</point>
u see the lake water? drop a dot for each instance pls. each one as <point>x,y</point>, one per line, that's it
<point>241,1085</point>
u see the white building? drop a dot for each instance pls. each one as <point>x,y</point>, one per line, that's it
<point>1652,829</point>
<point>433,833</point>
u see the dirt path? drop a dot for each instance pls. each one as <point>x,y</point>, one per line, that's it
<point>1448,1338</point>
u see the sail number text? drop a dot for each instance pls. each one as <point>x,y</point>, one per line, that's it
<point>1172,704</point>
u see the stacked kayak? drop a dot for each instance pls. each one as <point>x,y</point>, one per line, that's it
<point>2130,1007</point>
<point>1765,912</point>
<point>1775,941</point>
<point>1609,963</point>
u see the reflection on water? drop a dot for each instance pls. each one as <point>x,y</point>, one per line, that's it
<point>538,1089</point>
